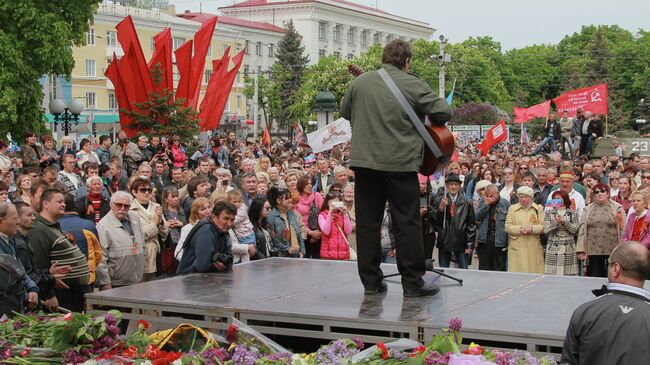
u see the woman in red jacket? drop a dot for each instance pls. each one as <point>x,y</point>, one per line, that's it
<point>335,226</point>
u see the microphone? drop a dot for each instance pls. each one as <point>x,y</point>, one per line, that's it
<point>428,265</point>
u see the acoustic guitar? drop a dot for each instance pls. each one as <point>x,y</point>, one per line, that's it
<point>432,160</point>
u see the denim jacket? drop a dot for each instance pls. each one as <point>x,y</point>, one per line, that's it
<point>500,236</point>
<point>279,228</point>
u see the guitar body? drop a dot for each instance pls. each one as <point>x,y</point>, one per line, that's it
<point>440,134</point>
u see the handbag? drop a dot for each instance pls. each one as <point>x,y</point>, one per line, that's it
<point>351,252</point>
<point>312,220</point>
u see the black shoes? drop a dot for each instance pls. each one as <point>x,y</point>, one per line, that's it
<point>427,289</point>
<point>383,287</point>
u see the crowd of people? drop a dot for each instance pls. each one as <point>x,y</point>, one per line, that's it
<point>115,214</point>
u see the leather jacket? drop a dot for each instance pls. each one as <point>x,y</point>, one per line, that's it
<point>457,233</point>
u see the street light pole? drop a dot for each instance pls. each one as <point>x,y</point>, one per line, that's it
<point>65,114</point>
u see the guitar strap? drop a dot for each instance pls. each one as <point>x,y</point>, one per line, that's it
<point>417,123</point>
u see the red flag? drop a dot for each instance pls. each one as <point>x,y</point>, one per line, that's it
<point>113,74</point>
<point>496,134</point>
<point>266,138</point>
<point>206,116</point>
<point>226,86</point>
<point>202,40</point>
<point>592,99</point>
<point>162,55</point>
<point>128,38</point>
<point>184,64</point>
<point>541,110</point>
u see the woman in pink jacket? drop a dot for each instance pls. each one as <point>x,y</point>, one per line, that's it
<point>308,201</point>
<point>335,226</point>
<point>637,228</point>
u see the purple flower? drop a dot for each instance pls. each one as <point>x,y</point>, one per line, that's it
<point>455,324</point>
<point>16,326</point>
<point>502,358</point>
<point>109,319</point>
<point>243,356</point>
<point>358,343</point>
<point>333,353</point>
<point>399,355</point>
<point>434,357</point>
<point>113,329</point>
<point>281,357</point>
<point>216,354</point>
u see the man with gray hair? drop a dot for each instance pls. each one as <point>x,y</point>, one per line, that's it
<point>492,236</point>
<point>122,241</point>
<point>615,327</point>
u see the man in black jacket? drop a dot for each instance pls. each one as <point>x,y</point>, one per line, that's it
<point>552,134</point>
<point>615,327</point>
<point>206,239</point>
<point>455,224</point>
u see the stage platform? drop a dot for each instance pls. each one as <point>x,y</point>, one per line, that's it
<point>324,300</point>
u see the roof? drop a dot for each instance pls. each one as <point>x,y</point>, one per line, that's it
<point>339,3</point>
<point>202,17</point>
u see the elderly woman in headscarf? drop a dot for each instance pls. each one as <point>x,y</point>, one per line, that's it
<point>525,225</point>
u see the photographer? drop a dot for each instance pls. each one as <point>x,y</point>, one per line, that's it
<point>207,246</point>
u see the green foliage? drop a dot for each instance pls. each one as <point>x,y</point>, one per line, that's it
<point>163,115</point>
<point>289,71</point>
<point>36,39</point>
<point>268,95</point>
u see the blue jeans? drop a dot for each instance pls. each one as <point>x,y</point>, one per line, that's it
<point>544,142</point>
<point>444,258</point>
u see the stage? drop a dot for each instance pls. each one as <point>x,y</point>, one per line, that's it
<point>324,300</point>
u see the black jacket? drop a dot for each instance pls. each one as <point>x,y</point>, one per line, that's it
<point>201,243</point>
<point>555,125</point>
<point>42,278</point>
<point>596,127</point>
<point>611,329</point>
<point>455,233</point>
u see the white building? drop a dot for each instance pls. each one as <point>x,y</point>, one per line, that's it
<point>332,27</point>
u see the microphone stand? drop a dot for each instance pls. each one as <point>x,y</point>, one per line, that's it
<point>429,267</point>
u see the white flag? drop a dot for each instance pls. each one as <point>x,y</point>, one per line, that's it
<point>334,133</point>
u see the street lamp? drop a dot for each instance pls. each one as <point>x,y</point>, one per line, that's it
<point>65,115</point>
<point>325,105</point>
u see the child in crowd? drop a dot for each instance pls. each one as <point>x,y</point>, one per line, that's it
<point>242,226</point>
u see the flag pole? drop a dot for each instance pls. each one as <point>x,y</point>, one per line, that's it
<point>606,125</point>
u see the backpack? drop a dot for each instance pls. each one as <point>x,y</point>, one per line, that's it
<point>12,290</point>
<point>188,239</point>
<point>312,220</point>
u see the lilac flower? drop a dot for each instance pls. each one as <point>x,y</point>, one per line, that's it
<point>212,354</point>
<point>455,324</point>
<point>358,343</point>
<point>281,357</point>
<point>16,326</point>
<point>434,357</point>
<point>109,319</point>
<point>333,353</point>
<point>523,357</point>
<point>113,329</point>
<point>243,356</point>
<point>502,358</point>
<point>399,355</point>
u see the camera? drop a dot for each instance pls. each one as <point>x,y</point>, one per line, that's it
<point>222,258</point>
<point>337,205</point>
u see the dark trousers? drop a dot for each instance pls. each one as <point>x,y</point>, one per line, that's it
<point>73,298</point>
<point>491,258</point>
<point>429,244</point>
<point>444,258</point>
<point>312,249</point>
<point>401,189</point>
<point>597,266</point>
<point>584,143</point>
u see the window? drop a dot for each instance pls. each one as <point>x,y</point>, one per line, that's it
<point>258,48</point>
<point>90,100</point>
<point>322,31</point>
<point>337,33</point>
<point>225,46</point>
<point>111,38</point>
<point>376,38</point>
<point>246,48</point>
<point>259,70</point>
<point>337,55</point>
<point>350,56</point>
<point>246,70</point>
<point>177,42</point>
<point>240,101</point>
<point>112,101</point>
<point>210,50</point>
<point>351,34</point>
<point>321,53</point>
<point>227,108</point>
<point>389,38</point>
<point>364,38</point>
<point>206,77</point>
<point>90,68</point>
<point>90,37</point>
<point>152,44</point>
<point>239,45</point>
<point>271,50</point>
<point>52,87</point>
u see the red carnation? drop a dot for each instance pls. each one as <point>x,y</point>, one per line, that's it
<point>384,350</point>
<point>145,324</point>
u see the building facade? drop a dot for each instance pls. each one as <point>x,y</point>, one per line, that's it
<point>89,85</point>
<point>332,27</point>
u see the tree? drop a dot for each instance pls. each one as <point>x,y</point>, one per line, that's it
<point>289,72</point>
<point>475,114</point>
<point>162,113</point>
<point>268,96</point>
<point>36,39</point>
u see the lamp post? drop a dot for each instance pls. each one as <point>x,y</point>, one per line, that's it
<point>66,115</point>
<point>325,105</point>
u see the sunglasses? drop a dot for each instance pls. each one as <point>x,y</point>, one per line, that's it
<point>646,176</point>
<point>599,191</point>
<point>122,206</point>
<point>145,190</point>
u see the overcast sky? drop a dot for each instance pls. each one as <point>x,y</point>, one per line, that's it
<point>514,23</point>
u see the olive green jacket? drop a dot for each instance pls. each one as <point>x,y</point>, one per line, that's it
<point>383,137</point>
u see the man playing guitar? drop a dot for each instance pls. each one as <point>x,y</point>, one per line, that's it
<point>386,154</point>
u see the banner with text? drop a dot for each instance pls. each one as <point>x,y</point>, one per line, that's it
<point>339,131</point>
<point>592,99</point>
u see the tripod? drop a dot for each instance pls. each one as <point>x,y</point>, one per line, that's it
<point>429,267</point>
